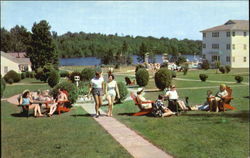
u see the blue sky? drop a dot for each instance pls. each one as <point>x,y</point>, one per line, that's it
<point>170,19</point>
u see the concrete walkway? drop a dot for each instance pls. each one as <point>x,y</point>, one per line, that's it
<point>136,145</point>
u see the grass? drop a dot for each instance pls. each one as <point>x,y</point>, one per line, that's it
<point>195,133</point>
<point>58,136</point>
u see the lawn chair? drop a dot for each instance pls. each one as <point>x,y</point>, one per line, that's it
<point>139,104</point>
<point>25,108</point>
<point>129,82</point>
<point>61,105</point>
<point>225,104</point>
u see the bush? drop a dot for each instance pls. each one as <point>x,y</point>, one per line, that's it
<point>12,75</point>
<point>69,87</point>
<point>173,74</point>
<point>73,74</point>
<point>53,79</point>
<point>83,88</point>
<point>23,75</point>
<point>205,65</point>
<point>10,81</point>
<point>165,64</point>
<point>142,77</point>
<point>228,68</point>
<point>87,74</point>
<point>163,78</point>
<point>64,73</point>
<point>239,79</point>
<point>42,73</point>
<point>117,66</point>
<point>3,86</point>
<point>222,69</point>
<point>180,60</point>
<point>203,77</point>
<point>140,66</point>
<point>185,69</point>
<point>123,91</point>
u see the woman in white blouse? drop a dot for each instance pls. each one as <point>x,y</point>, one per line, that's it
<point>112,91</point>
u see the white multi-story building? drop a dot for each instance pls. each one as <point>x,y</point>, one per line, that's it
<point>228,44</point>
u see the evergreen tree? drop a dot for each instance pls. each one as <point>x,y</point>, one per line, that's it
<point>42,48</point>
<point>142,51</point>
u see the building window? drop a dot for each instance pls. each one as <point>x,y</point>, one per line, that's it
<point>204,34</point>
<point>245,46</point>
<point>233,34</point>
<point>245,34</point>
<point>233,46</point>
<point>215,58</point>
<point>229,46</point>
<point>204,45</point>
<point>215,46</point>
<point>228,58</point>
<point>233,59</point>
<point>5,69</point>
<point>245,59</point>
<point>228,34</point>
<point>215,34</point>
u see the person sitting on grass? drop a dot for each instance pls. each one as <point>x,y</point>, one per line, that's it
<point>205,106</point>
<point>159,109</point>
<point>26,100</point>
<point>140,99</point>
<point>172,95</point>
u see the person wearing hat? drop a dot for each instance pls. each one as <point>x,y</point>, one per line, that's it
<point>26,100</point>
<point>141,99</point>
<point>97,89</point>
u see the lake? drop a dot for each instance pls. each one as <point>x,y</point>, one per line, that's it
<point>96,61</point>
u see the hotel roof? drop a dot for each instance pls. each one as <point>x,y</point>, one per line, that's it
<point>239,25</point>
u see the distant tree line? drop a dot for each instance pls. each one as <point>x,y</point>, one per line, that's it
<point>110,48</point>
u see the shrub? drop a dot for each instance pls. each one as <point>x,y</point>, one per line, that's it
<point>3,86</point>
<point>83,88</point>
<point>117,66</point>
<point>203,77</point>
<point>10,81</point>
<point>163,78</point>
<point>69,87</point>
<point>185,69</point>
<point>140,66</point>
<point>87,74</point>
<point>165,64</point>
<point>222,69</point>
<point>53,79</point>
<point>180,60</point>
<point>205,65</point>
<point>73,74</point>
<point>123,91</point>
<point>42,73</point>
<point>228,68</point>
<point>12,75</point>
<point>27,75</point>
<point>239,79</point>
<point>173,74</point>
<point>64,73</point>
<point>23,75</point>
<point>142,77</point>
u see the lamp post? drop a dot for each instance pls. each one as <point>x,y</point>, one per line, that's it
<point>77,79</point>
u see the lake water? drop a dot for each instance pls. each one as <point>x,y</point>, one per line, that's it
<point>95,61</point>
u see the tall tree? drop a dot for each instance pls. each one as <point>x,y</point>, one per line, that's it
<point>20,38</point>
<point>5,40</point>
<point>42,48</point>
<point>142,51</point>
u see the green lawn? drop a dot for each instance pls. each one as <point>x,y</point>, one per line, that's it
<point>58,136</point>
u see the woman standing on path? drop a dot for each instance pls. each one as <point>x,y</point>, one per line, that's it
<point>97,87</point>
<point>111,91</point>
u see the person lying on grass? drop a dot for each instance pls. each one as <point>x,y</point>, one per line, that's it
<point>26,100</point>
<point>141,99</point>
<point>205,106</point>
<point>173,95</point>
<point>159,109</point>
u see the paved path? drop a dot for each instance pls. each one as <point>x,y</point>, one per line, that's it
<point>136,145</point>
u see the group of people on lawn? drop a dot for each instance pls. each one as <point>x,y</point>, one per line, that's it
<point>34,101</point>
<point>159,109</point>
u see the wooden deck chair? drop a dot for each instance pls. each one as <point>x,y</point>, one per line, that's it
<point>225,104</point>
<point>139,104</point>
<point>25,108</point>
<point>61,105</point>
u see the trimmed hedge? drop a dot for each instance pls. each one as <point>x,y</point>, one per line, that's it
<point>163,78</point>
<point>238,79</point>
<point>205,65</point>
<point>87,74</point>
<point>165,64</point>
<point>53,79</point>
<point>64,73</point>
<point>142,77</point>
<point>203,77</point>
<point>228,68</point>
<point>23,75</point>
<point>140,66</point>
<point>3,86</point>
<point>122,90</point>
<point>222,69</point>
<point>12,75</point>
<point>69,87</point>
